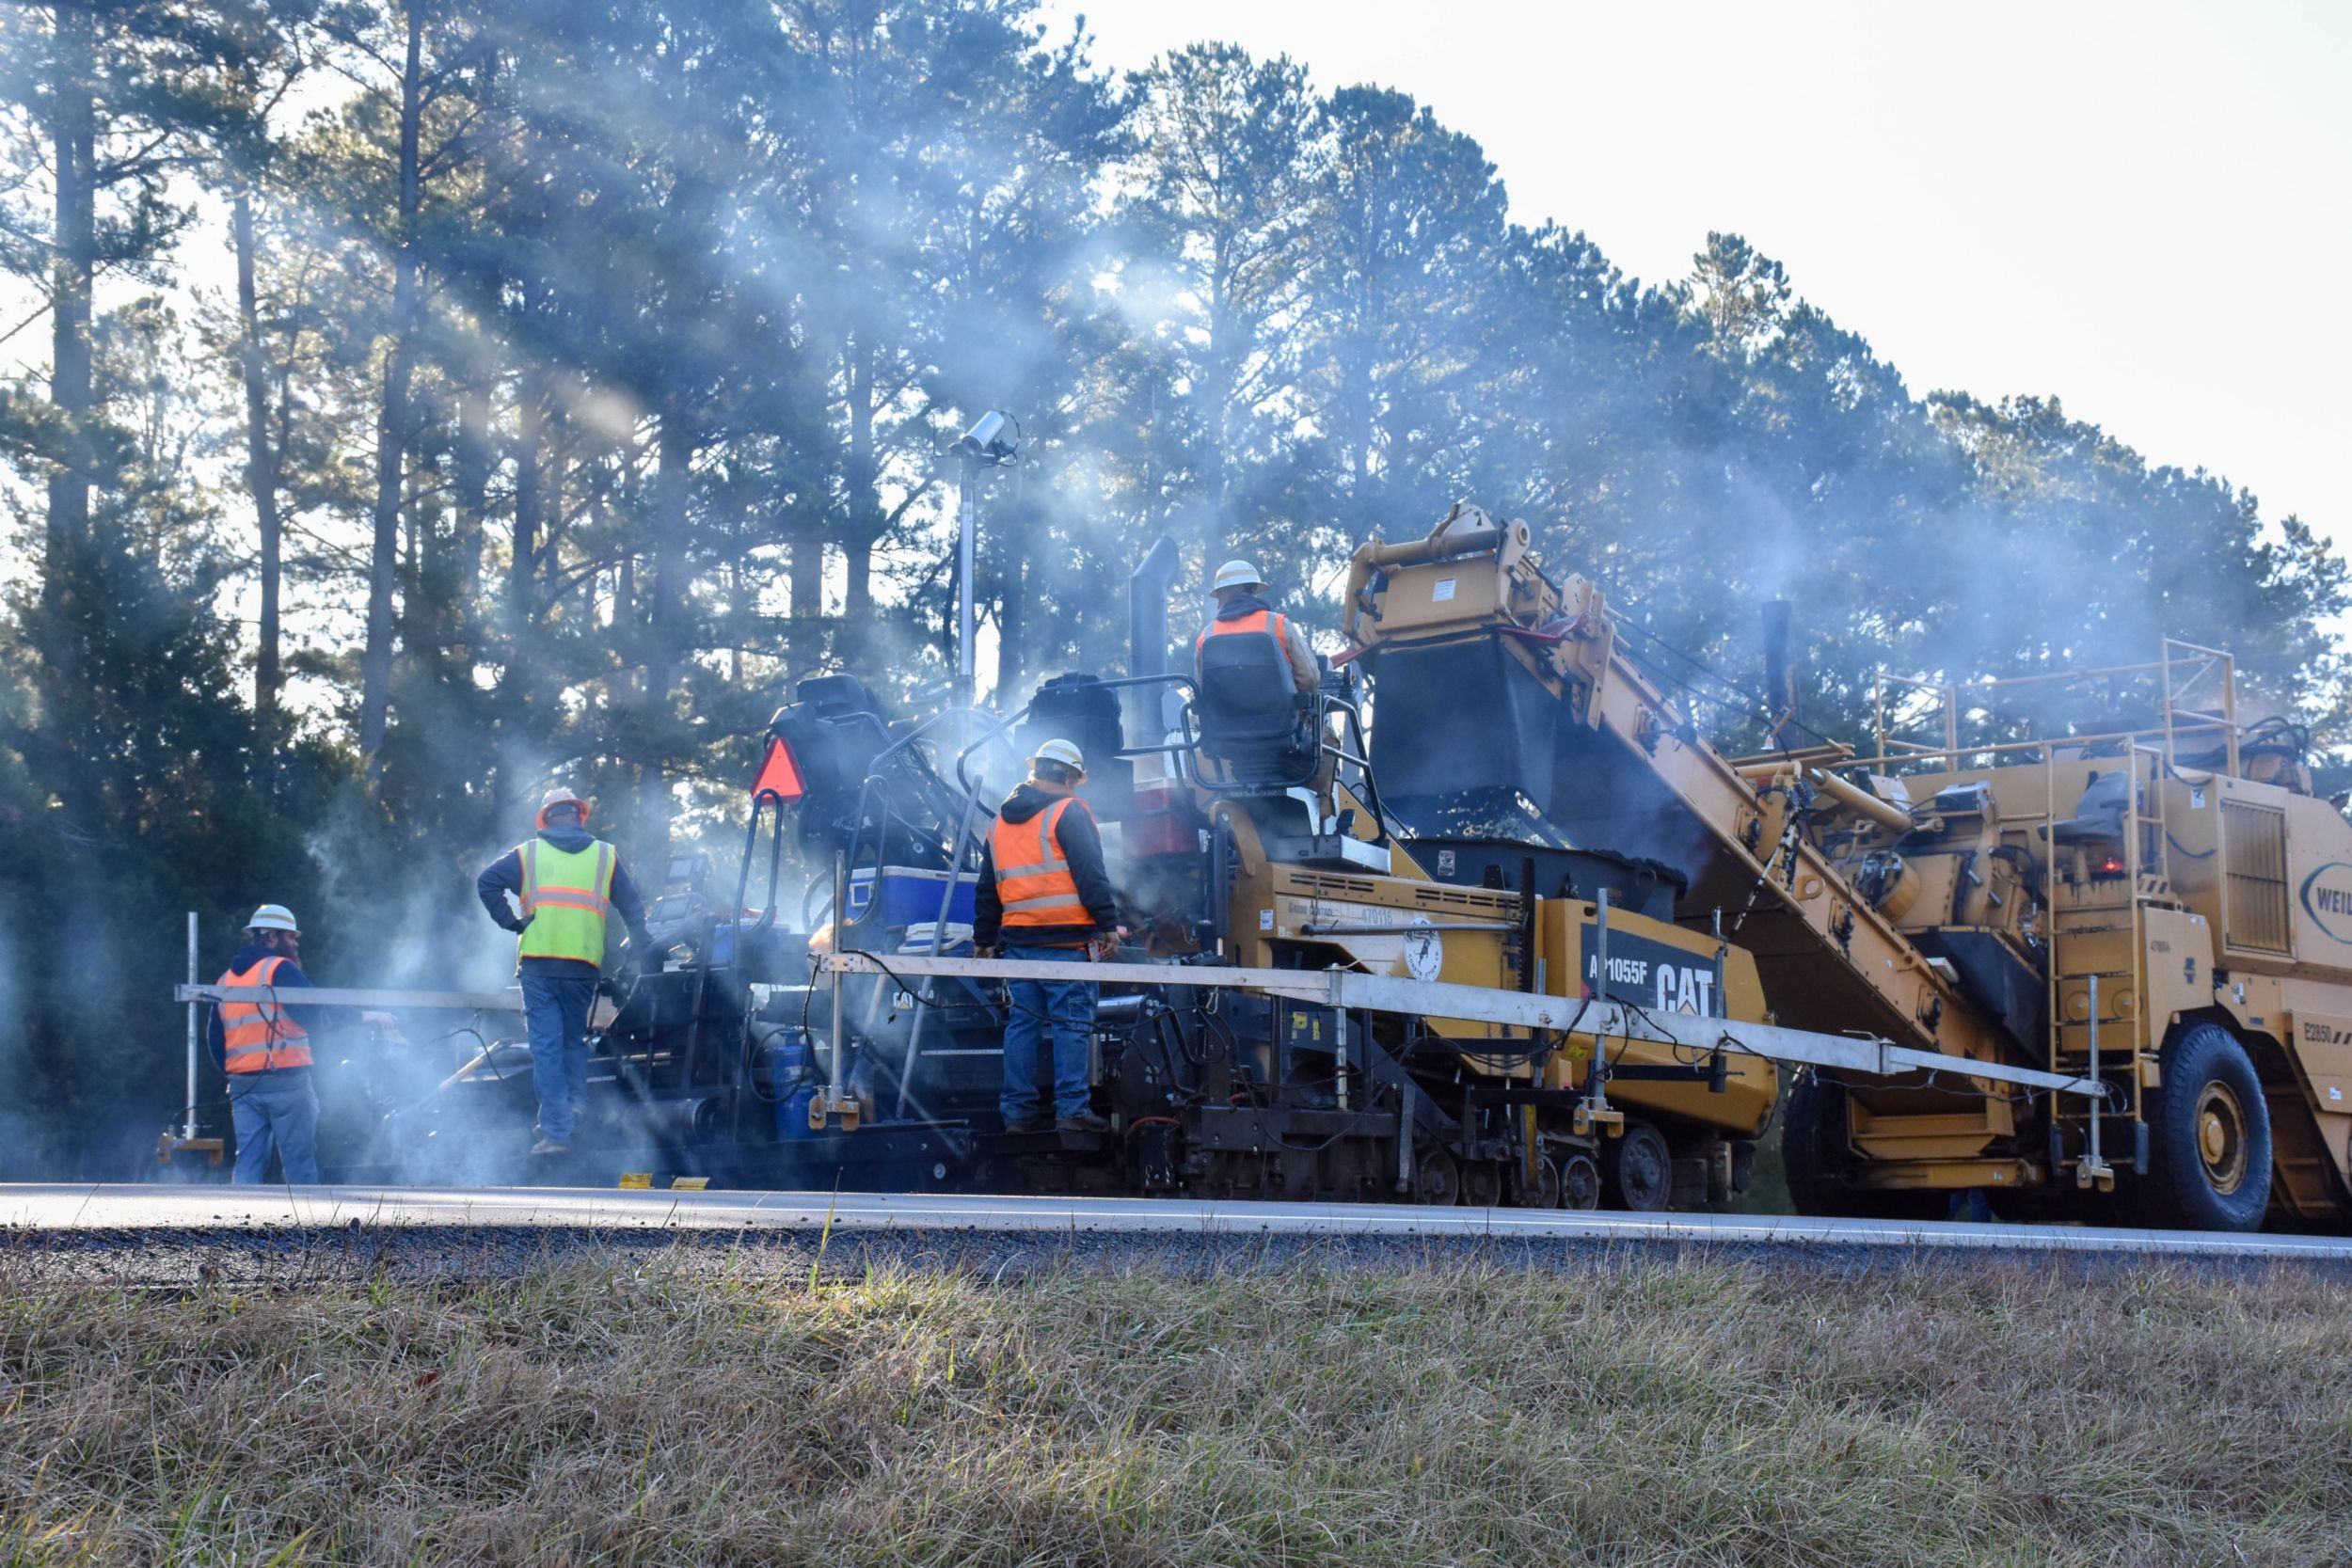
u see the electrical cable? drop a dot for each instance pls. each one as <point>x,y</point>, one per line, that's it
<point>2185,852</point>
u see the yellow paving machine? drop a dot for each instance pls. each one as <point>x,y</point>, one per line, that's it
<point>2108,875</point>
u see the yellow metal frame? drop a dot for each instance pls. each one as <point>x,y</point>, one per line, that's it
<point>2187,672</point>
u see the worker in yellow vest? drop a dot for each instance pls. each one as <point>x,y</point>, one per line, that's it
<point>1045,898</point>
<point>265,1047</point>
<point>557,892</point>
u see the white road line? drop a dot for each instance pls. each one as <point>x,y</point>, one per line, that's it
<point>37,1210</point>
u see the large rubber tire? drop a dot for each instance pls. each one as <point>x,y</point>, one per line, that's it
<point>1637,1170</point>
<point>1814,1157</point>
<point>1813,1145</point>
<point>2209,1137</point>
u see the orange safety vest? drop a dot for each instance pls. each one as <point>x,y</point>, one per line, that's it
<point>1258,623</point>
<point>1033,880</point>
<point>1262,622</point>
<point>257,1036</point>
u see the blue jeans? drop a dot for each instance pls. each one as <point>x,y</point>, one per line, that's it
<point>276,1108</point>
<point>555,1010</point>
<point>1069,1004</point>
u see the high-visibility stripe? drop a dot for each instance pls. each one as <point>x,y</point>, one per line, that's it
<point>1253,621</point>
<point>1051,901</point>
<point>569,899</point>
<point>259,1036</point>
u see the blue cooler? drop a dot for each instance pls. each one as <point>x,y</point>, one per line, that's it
<point>909,896</point>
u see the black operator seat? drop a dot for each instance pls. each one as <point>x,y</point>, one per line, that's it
<point>2099,815</point>
<point>1250,719</point>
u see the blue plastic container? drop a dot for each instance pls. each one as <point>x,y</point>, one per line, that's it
<point>789,1063</point>
<point>909,896</point>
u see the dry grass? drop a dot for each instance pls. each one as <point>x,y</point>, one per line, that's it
<point>1647,1412</point>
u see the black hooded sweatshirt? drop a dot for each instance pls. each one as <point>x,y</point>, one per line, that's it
<point>1081,846</point>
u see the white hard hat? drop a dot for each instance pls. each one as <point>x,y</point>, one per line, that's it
<point>561,797</point>
<point>1061,752</point>
<point>273,917</point>
<point>1239,574</point>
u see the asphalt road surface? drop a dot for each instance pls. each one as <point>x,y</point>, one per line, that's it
<point>281,1234</point>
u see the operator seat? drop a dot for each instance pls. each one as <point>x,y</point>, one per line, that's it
<point>2107,799</point>
<point>1250,720</point>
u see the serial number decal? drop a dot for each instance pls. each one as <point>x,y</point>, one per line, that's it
<point>1649,973</point>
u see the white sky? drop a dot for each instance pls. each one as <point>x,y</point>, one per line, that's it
<point>2136,207</point>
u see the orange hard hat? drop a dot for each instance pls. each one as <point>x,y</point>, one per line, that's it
<point>561,797</point>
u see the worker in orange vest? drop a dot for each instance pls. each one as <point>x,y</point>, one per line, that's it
<point>1243,609</point>
<point>1045,898</point>
<point>266,1048</point>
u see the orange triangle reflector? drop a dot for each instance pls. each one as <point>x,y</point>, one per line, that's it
<point>779,776</point>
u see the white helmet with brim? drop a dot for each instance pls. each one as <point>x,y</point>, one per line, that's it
<point>273,917</point>
<point>1239,574</point>
<point>1063,752</point>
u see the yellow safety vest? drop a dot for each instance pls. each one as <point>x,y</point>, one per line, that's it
<point>566,895</point>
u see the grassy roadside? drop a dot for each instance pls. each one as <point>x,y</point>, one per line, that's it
<point>1647,1412</point>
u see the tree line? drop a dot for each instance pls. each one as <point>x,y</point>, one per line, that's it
<point>441,399</point>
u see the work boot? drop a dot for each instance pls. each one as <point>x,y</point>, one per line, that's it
<point>548,1145</point>
<point>1028,1124</point>
<point>1085,1121</point>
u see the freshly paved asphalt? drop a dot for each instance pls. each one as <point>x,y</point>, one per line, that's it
<point>47,1217</point>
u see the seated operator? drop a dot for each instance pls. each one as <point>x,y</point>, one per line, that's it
<point>1242,610</point>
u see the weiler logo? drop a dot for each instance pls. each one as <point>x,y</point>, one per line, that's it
<point>2330,903</point>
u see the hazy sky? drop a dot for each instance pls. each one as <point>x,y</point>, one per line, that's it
<point>2138,207</point>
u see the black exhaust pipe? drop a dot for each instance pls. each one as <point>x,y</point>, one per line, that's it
<point>1148,588</point>
<point>1780,675</point>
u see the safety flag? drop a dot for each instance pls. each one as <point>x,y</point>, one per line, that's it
<point>779,776</point>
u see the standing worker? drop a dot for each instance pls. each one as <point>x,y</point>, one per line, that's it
<point>564,883</point>
<point>1045,898</point>
<point>265,1047</point>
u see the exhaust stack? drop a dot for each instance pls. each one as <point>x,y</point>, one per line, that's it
<point>1780,676</point>
<point>1148,589</point>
